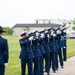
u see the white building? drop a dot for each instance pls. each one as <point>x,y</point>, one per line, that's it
<point>39,25</point>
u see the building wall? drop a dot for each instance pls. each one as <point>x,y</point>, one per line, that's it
<point>37,28</point>
<point>17,31</point>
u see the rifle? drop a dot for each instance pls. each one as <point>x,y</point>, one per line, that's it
<point>45,30</point>
<point>50,29</point>
<point>42,31</point>
<point>63,29</point>
<point>31,34</point>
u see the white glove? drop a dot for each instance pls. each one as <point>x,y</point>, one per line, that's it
<point>64,31</point>
<point>64,47</point>
<point>46,31</point>
<point>5,64</point>
<point>54,35</point>
<point>42,35</point>
<point>52,32</point>
<point>31,38</point>
<point>48,35</point>
<point>58,32</point>
<point>37,37</point>
<point>37,34</point>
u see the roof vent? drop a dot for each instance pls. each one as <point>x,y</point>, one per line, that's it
<point>36,21</point>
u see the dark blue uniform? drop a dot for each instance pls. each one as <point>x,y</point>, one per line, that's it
<point>47,53</point>
<point>56,53</point>
<point>64,46</point>
<point>59,50</point>
<point>52,52</point>
<point>42,54</point>
<point>37,55</point>
<point>26,56</point>
<point>3,54</point>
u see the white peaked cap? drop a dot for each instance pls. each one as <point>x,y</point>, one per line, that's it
<point>23,33</point>
<point>28,33</point>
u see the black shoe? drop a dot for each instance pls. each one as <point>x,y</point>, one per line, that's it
<point>54,71</point>
<point>62,67</point>
<point>48,74</point>
<point>64,59</point>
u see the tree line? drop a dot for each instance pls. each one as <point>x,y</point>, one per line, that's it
<point>8,31</point>
<point>74,24</point>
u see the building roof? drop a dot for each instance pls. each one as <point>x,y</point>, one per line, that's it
<point>37,25</point>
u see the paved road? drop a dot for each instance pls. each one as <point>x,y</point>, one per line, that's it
<point>69,68</point>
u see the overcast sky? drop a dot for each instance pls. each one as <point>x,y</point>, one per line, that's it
<point>25,11</point>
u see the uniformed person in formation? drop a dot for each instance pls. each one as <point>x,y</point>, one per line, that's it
<point>64,45</point>
<point>37,54</point>
<point>47,52</point>
<point>53,49</point>
<point>42,53</point>
<point>26,54</point>
<point>59,41</point>
<point>37,46</point>
<point>4,54</point>
<point>56,52</point>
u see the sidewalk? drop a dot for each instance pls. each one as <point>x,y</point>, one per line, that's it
<point>69,68</point>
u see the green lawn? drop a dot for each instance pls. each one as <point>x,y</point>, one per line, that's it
<point>13,67</point>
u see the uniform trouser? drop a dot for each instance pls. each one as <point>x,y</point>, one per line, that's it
<point>56,59</point>
<point>64,54</point>
<point>36,61</point>
<point>2,69</point>
<point>23,66</point>
<point>47,62</point>
<point>52,60</point>
<point>41,65</point>
<point>60,57</point>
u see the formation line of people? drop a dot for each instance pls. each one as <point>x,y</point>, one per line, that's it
<point>37,46</point>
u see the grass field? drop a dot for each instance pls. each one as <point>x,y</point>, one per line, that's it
<point>13,67</point>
